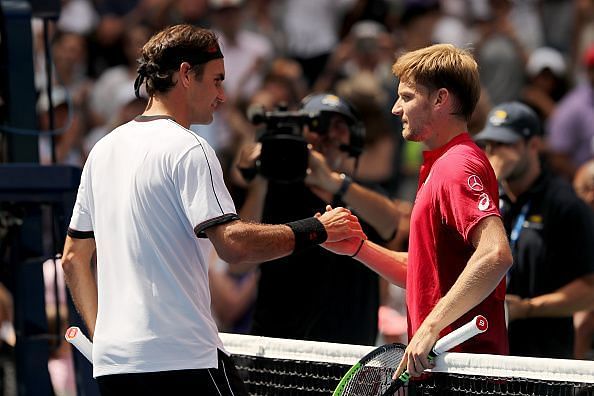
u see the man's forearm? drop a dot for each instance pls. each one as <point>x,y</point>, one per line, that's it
<point>576,296</point>
<point>387,263</point>
<point>83,289</point>
<point>482,274</point>
<point>486,267</point>
<point>261,242</point>
<point>245,245</point>
<point>76,263</point>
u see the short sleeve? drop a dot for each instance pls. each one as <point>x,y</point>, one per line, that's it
<point>81,223</point>
<point>468,195</point>
<point>204,196</point>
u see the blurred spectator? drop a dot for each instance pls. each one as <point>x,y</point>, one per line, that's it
<point>264,17</point>
<point>571,126</point>
<point>69,56</point>
<point>546,73</point>
<point>553,272</point>
<point>194,12</point>
<point>583,321</point>
<point>525,17</point>
<point>129,107</point>
<point>104,103</point>
<point>78,16</point>
<point>377,163</point>
<point>582,30</point>
<point>70,92</point>
<point>312,31</point>
<point>359,69</point>
<point>115,16</point>
<point>452,26</point>
<point>367,49</point>
<point>246,53</point>
<point>561,21</point>
<point>65,147</point>
<point>500,53</point>
<point>418,25</point>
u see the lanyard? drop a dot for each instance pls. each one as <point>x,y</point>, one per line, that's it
<point>519,223</point>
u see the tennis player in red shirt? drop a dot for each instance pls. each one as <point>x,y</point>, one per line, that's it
<point>458,250</point>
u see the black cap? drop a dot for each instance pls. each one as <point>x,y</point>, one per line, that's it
<point>510,122</point>
<point>316,103</point>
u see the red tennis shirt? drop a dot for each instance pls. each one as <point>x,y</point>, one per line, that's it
<point>457,188</point>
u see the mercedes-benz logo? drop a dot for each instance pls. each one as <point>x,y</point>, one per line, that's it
<point>475,183</point>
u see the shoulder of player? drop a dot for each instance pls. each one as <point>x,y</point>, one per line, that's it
<point>461,161</point>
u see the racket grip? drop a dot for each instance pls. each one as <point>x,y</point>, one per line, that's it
<point>395,385</point>
<point>80,341</point>
<point>476,326</point>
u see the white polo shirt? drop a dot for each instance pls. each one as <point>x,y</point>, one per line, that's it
<point>147,189</point>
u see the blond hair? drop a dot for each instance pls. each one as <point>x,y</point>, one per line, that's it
<point>443,66</point>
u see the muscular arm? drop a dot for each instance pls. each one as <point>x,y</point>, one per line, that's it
<point>249,244</point>
<point>76,262</point>
<point>483,272</point>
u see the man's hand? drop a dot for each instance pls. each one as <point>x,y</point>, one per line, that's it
<point>347,246</point>
<point>416,355</point>
<point>248,155</point>
<point>320,175</point>
<point>341,224</point>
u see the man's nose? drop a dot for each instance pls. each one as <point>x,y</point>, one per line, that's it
<point>397,109</point>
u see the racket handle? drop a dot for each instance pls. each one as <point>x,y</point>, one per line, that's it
<point>80,341</point>
<point>396,384</point>
<point>476,326</point>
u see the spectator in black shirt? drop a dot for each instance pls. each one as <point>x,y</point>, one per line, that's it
<point>550,231</point>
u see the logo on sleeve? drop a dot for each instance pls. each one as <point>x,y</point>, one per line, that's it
<point>484,202</point>
<point>475,183</point>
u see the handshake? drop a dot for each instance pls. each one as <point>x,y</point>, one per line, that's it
<point>345,235</point>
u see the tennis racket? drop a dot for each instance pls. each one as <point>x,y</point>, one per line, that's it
<point>372,375</point>
<point>80,341</point>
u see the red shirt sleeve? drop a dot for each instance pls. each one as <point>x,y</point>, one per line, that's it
<point>468,192</point>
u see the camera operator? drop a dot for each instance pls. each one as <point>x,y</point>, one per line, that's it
<point>317,295</point>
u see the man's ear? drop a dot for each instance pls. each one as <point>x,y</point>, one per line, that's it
<point>536,143</point>
<point>185,73</point>
<point>441,97</point>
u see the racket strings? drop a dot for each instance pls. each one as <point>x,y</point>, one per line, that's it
<point>375,375</point>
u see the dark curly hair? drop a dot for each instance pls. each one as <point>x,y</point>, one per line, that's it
<point>165,51</point>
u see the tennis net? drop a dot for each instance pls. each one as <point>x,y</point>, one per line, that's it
<point>283,367</point>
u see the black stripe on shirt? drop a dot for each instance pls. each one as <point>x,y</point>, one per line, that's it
<point>72,233</point>
<point>226,218</point>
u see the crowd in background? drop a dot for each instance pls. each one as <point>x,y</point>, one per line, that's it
<point>276,52</point>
